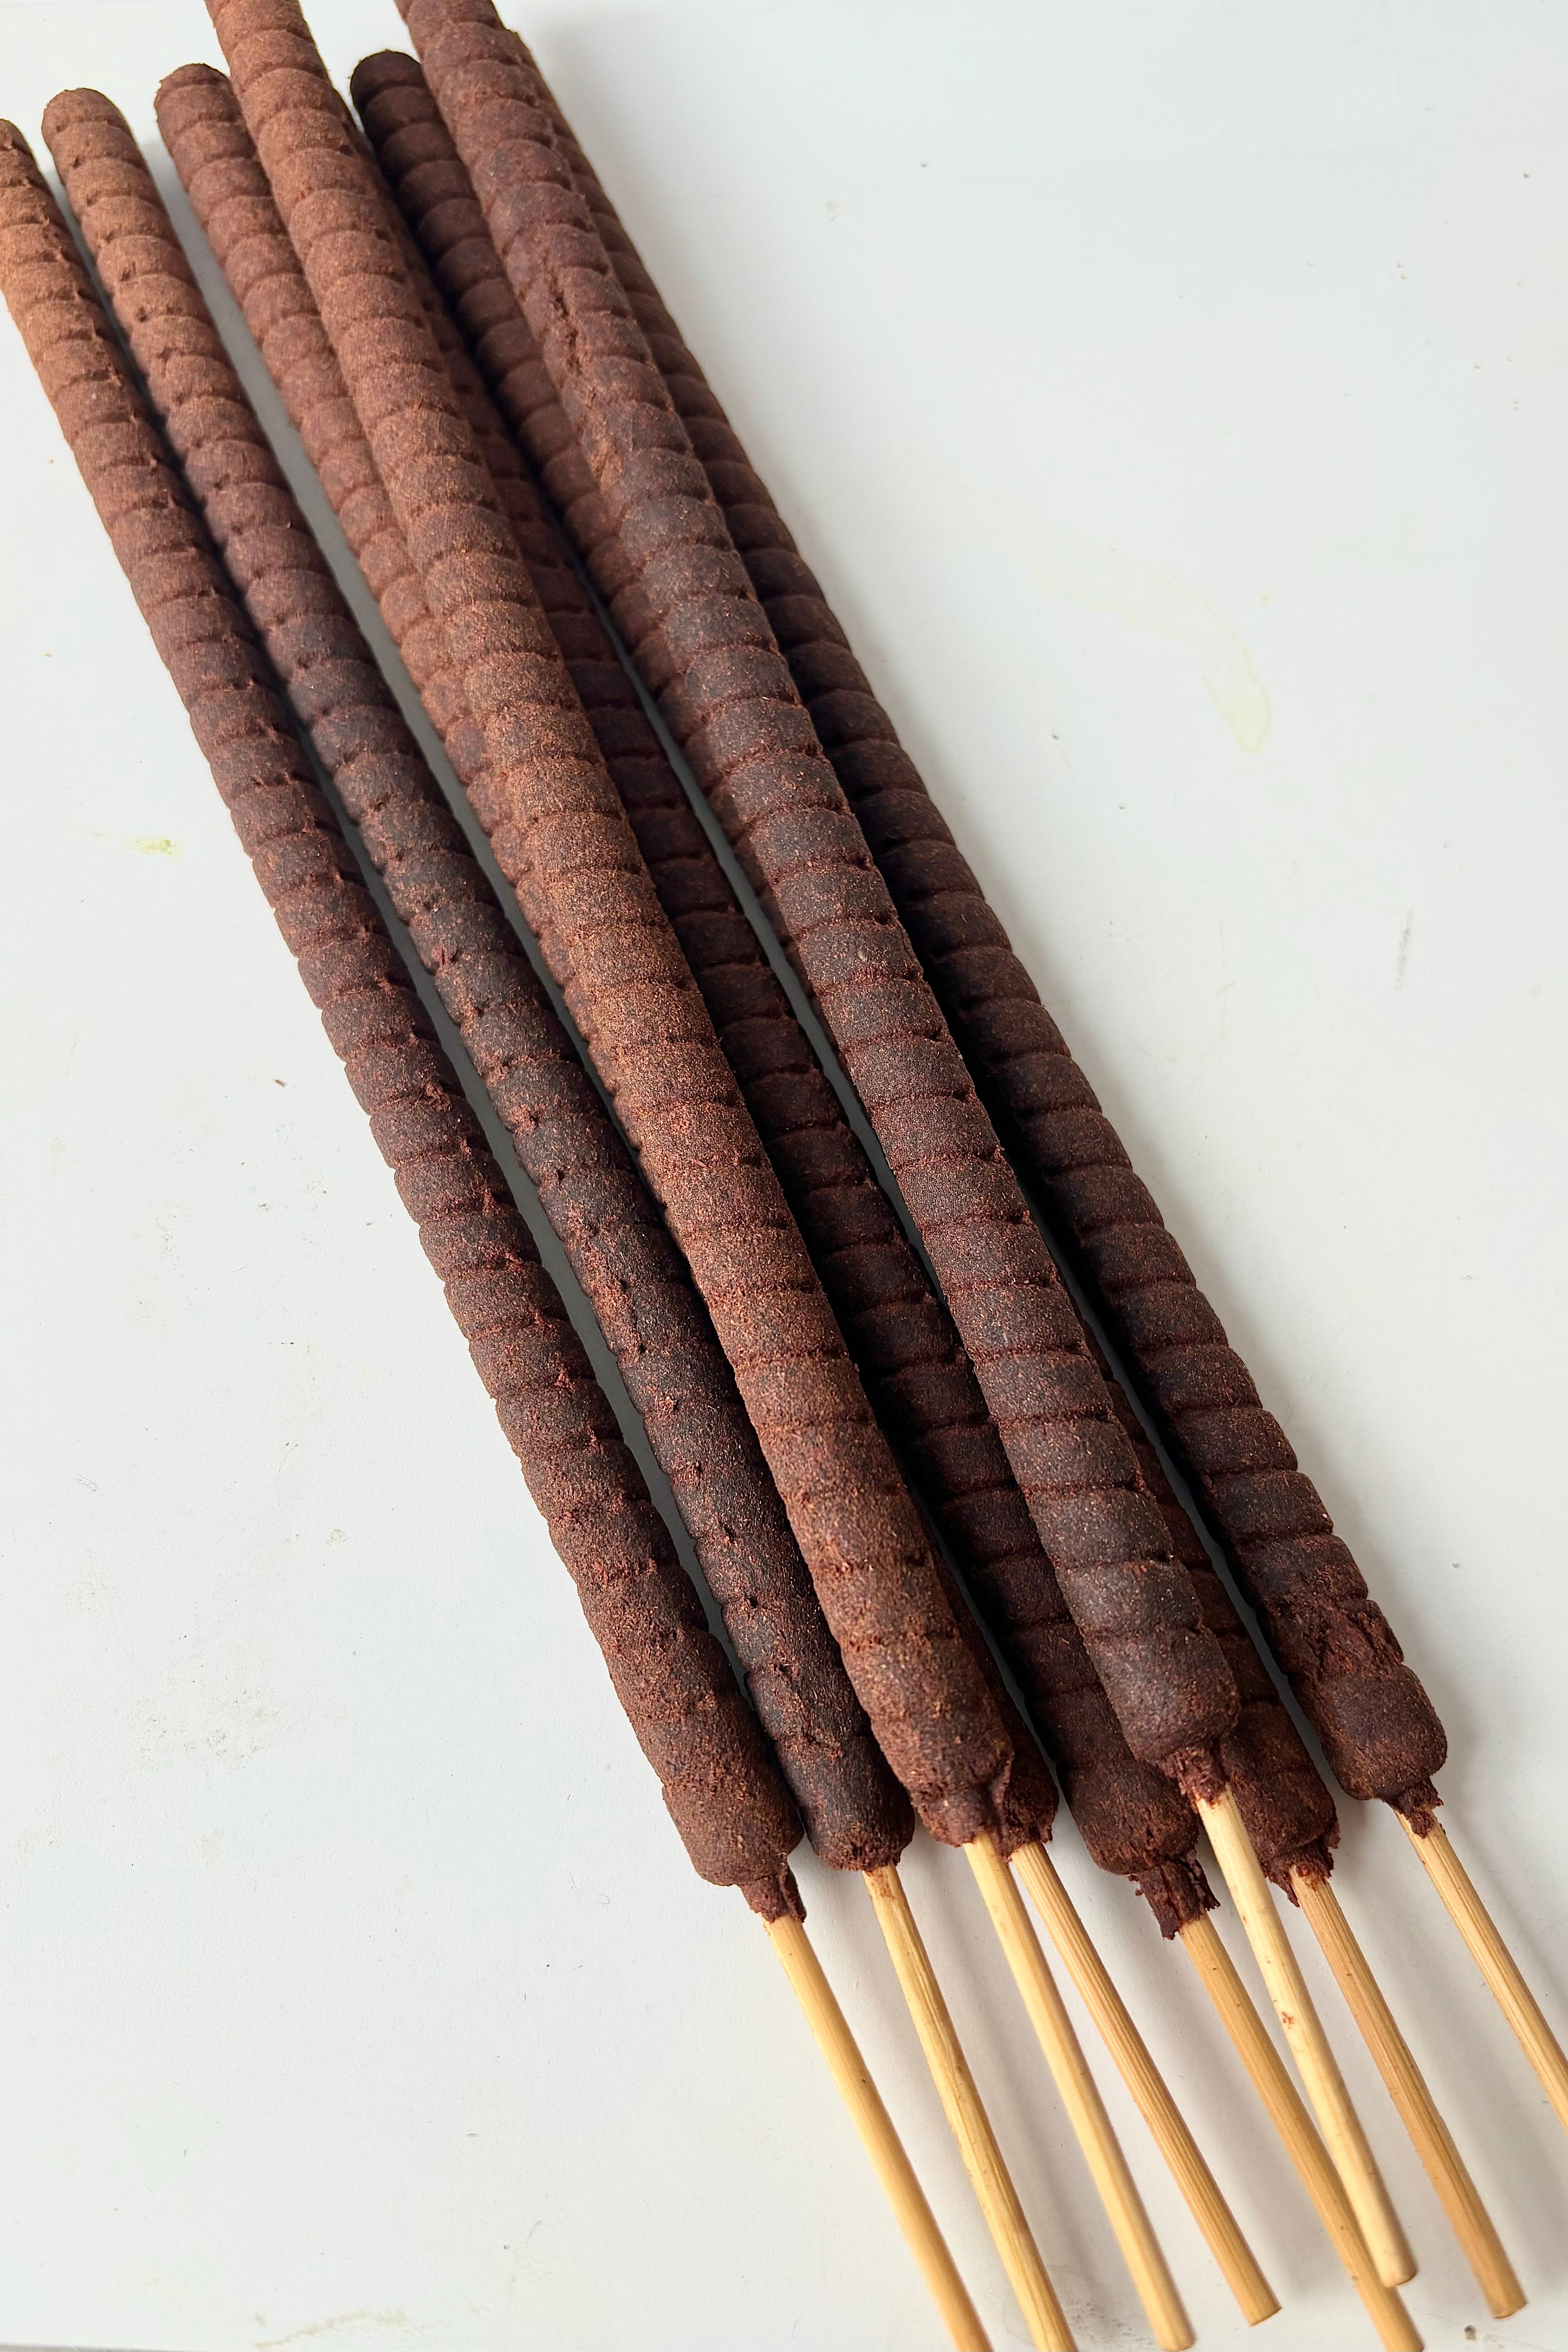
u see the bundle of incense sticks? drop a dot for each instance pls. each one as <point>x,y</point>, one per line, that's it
<point>551,511</point>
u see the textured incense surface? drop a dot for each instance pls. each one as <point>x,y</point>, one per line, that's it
<point>672,1678</point>
<point>878,1291</point>
<point>1264,1512</point>
<point>206,137</point>
<point>562,839</point>
<point>201,127</point>
<point>899,1332</point>
<point>430,183</point>
<point>674,1369</point>
<point>625,739</point>
<point>903,1340</point>
<point>701,637</point>
<point>631,748</point>
<point>1132,1818</point>
<point>1376,1723</point>
<point>1285,1801</point>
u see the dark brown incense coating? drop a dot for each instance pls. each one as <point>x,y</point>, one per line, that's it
<point>899,1332</point>
<point>1284,1800</point>
<point>562,840</point>
<point>430,183</point>
<point>1029,1802</point>
<point>720,1786</point>
<point>1329,1635</point>
<point>675,1371</point>
<point>1376,1722</point>
<point>1132,1820</point>
<point>212,151</point>
<point>615,713</point>
<point>211,148</point>
<point>1192,1379</point>
<point>201,125</point>
<point>700,635</point>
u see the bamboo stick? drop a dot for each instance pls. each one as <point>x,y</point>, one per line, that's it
<point>882,2143</point>
<point>1337,2119</point>
<point>1118,2193</point>
<point>966,2112</point>
<point>1495,1961</point>
<point>1099,1995</point>
<point>1469,2218</point>
<point>1249,2038</point>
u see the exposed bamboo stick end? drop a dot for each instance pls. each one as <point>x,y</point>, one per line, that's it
<point>1467,2217</point>
<point>882,2143</point>
<point>1337,2119</point>
<point>1115,2025</point>
<point>1495,1961</point>
<point>1397,2332</point>
<point>966,2112</point>
<point>1118,2193</point>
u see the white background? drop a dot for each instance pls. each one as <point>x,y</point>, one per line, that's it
<point>1172,399</point>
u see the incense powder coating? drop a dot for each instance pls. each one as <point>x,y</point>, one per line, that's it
<point>702,641</point>
<point>719,1784</point>
<point>1345,1666</point>
<point>675,1372</point>
<point>562,839</point>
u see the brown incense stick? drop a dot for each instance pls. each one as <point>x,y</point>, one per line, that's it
<point>562,839</point>
<point>720,1785</point>
<point>677,1376</point>
<point>1375,1721</point>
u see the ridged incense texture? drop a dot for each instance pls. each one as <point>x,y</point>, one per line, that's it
<point>700,636</point>
<point>822,1167</point>
<point>1043,1101</point>
<point>1132,1819</point>
<point>562,839</point>
<point>672,1678</point>
<point>674,1369</point>
<point>899,1332</point>
<point>1378,1726</point>
<point>615,713</point>
<point>201,125</point>
<point>901,1337</point>
<point>430,182</point>
<point>1285,1801</point>
<point>203,132</point>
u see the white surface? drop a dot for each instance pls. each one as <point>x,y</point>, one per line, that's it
<point>1172,399</point>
